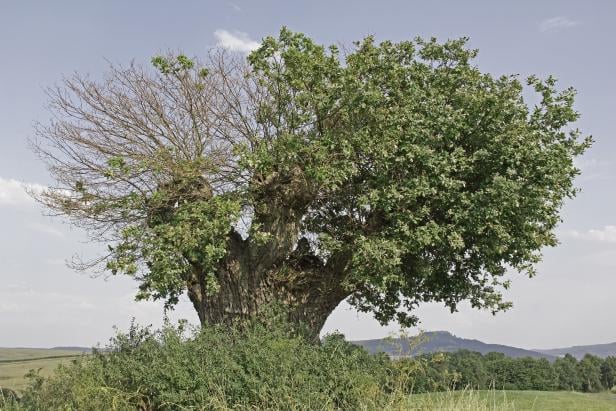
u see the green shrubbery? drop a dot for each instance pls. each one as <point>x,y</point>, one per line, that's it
<point>267,365</point>
<point>7,396</point>
<point>256,366</point>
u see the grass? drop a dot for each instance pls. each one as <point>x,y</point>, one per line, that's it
<point>16,362</point>
<point>514,401</point>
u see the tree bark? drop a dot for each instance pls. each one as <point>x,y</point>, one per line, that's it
<point>282,269</point>
<point>309,289</point>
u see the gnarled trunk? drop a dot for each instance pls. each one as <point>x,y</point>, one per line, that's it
<point>307,308</point>
<point>248,282</point>
<point>282,269</point>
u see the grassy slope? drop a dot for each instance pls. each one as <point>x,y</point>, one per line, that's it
<point>516,401</point>
<point>16,362</point>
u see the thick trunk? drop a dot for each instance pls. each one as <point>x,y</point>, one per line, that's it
<point>308,302</point>
<point>307,288</point>
<point>283,269</point>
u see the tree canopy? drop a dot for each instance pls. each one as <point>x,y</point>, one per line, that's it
<point>392,174</point>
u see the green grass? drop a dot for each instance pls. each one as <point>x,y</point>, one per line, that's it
<point>514,401</point>
<point>541,400</point>
<point>16,362</point>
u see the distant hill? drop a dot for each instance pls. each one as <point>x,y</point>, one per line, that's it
<point>25,354</point>
<point>436,341</point>
<point>578,351</point>
<point>80,349</point>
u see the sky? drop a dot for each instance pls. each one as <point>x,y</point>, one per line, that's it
<point>43,303</point>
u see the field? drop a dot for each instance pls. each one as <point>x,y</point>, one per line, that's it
<point>16,362</point>
<point>515,401</point>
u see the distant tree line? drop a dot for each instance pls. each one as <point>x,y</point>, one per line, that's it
<point>468,369</point>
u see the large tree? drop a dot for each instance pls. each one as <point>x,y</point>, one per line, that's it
<point>395,174</point>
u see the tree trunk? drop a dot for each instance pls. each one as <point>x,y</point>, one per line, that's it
<point>307,311</point>
<point>309,289</point>
<point>283,269</point>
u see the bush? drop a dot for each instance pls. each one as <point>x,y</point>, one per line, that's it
<point>508,386</point>
<point>255,366</point>
<point>267,365</point>
<point>8,396</point>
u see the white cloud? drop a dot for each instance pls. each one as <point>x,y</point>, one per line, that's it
<point>606,234</point>
<point>15,193</point>
<point>557,23</point>
<point>235,41</point>
<point>594,169</point>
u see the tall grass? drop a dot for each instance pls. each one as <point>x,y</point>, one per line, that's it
<point>461,400</point>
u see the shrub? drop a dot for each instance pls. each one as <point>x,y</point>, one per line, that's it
<point>254,366</point>
<point>8,397</point>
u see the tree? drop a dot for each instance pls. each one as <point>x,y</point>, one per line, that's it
<point>589,371</point>
<point>499,368</point>
<point>566,369</point>
<point>543,376</point>
<point>608,372</point>
<point>396,174</point>
<point>470,367</point>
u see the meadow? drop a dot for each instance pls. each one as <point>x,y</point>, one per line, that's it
<point>513,400</point>
<point>16,362</point>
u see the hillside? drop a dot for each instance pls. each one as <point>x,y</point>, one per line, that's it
<point>444,341</point>
<point>578,351</point>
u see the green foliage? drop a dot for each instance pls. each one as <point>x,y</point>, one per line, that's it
<point>608,372</point>
<point>418,176</point>
<point>172,66</point>
<point>8,396</point>
<point>589,371</point>
<point>465,369</point>
<point>256,366</point>
<point>436,175</point>
<point>265,364</point>
<point>567,373</point>
<point>194,235</point>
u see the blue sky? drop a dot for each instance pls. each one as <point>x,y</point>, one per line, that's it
<point>44,303</point>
